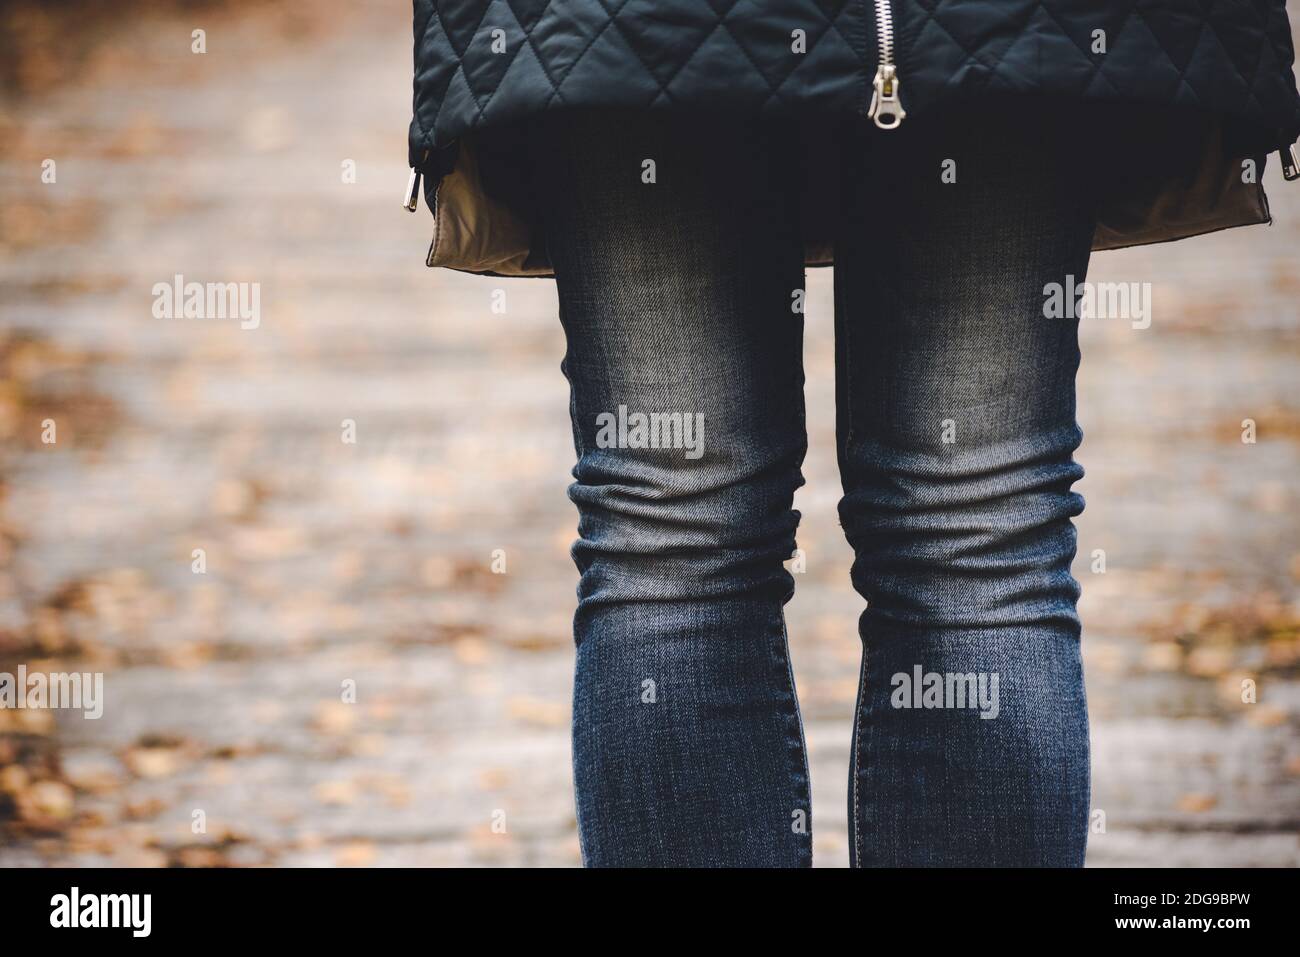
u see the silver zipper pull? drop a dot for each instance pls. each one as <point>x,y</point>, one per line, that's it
<point>413,191</point>
<point>886,107</point>
<point>1290,162</point>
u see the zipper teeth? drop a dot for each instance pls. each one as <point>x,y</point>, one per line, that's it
<point>885,31</point>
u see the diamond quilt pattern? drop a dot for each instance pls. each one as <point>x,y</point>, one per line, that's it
<point>493,62</point>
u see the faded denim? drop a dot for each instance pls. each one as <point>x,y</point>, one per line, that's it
<point>956,429</point>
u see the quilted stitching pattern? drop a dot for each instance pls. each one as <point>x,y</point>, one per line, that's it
<point>1225,56</point>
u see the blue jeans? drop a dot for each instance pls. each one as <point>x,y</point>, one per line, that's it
<point>679,286</point>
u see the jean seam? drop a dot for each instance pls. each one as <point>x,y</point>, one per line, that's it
<point>854,823</point>
<point>797,741</point>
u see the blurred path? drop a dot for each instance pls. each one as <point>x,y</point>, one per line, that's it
<point>370,563</point>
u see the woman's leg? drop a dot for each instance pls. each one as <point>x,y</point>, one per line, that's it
<point>957,429</point>
<point>676,299</point>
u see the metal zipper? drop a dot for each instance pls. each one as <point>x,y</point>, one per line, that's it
<point>886,108</point>
<point>412,200</point>
<point>1290,161</point>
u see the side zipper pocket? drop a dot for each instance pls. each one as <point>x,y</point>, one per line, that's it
<point>411,202</point>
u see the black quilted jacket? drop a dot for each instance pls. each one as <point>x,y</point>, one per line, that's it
<point>485,65</point>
